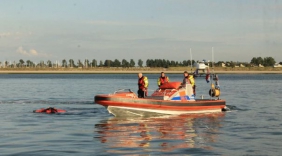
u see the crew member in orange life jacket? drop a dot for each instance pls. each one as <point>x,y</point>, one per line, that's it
<point>189,79</point>
<point>162,79</point>
<point>143,84</point>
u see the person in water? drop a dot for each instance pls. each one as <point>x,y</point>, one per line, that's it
<point>189,79</point>
<point>49,110</point>
<point>143,84</point>
<point>162,79</point>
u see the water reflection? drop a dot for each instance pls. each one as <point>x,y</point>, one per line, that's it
<point>161,134</point>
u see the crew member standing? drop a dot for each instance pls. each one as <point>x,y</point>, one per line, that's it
<point>162,79</point>
<point>189,79</point>
<point>143,84</point>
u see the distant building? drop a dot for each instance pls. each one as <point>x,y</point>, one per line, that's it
<point>241,65</point>
<point>277,65</point>
<point>261,65</point>
<point>223,65</point>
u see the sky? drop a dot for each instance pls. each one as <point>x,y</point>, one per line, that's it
<point>236,30</point>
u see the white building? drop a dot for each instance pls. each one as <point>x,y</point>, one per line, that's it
<point>223,65</point>
<point>277,65</point>
<point>261,65</point>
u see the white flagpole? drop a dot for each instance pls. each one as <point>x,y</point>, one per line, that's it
<point>191,59</point>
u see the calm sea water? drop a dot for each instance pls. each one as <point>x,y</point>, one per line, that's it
<point>252,127</point>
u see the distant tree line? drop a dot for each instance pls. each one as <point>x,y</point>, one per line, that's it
<point>267,61</point>
<point>256,61</point>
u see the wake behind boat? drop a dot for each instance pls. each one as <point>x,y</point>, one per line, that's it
<point>172,98</point>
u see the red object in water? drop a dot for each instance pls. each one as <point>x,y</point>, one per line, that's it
<point>49,110</point>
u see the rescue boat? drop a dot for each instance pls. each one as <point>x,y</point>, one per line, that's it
<point>171,98</point>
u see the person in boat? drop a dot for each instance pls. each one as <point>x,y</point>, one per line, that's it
<point>189,79</point>
<point>143,84</point>
<point>162,79</point>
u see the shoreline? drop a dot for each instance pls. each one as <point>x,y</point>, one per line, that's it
<point>135,70</point>
<point>125,72</point>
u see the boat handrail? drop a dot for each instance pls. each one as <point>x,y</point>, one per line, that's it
<point>165,90</point>
<point>123,90</point>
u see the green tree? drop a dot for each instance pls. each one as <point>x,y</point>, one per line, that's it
<point>254,61</point>
<point>176,63</point>
<point>232,64</point>
<point>101,63</point>
<point>64,63</point>
<point>71,63</point>
<point>168,63</point>
<point>257,60</point>
<point>94,63</point>
<point>132,63</point>
<point>86,63</point>
<point>116,63</point>
<point>185,63</point>
<point>140,63</point>
<point>193,62</point>
<point>79,63</point>
<point>42,64</point>
<point>269,61</point>
<point>29,63</point>
<point>21,61</point>
<point>49,63</point>
<point>172,64</point>
<point>107,63</point>
<point>148,63</point>
<point>164,63</point>
<point>6,63</point>
<point>280,63</point>
<point>260,60</point>
<point>124,63</point>
<point>190,62</point>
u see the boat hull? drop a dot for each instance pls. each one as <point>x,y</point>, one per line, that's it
<point>144,106</point>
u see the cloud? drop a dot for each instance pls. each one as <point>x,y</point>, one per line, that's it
<point>120,23</point>
<point>14,34</point>
<point>31,52</point>
<point>5,34</point>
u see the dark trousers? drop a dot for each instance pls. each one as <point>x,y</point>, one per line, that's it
<point>141,93</point>
<point>194,90</point>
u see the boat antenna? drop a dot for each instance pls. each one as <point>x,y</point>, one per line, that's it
<point>212,61</point>
<point>212,72</point>
<point>191,59</point>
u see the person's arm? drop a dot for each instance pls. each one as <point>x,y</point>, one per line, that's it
<point>183,82</point>
<point>146,82</point>
<point>159,82</point>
